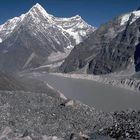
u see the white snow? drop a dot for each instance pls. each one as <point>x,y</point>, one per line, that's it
<point>137,15</point>
<point>69,19</point>
<point>74,26</point>
<point>22,17</point>
<point>42,10</point>
<point>70,47</point>
<point>126,17</point>
<point>0,40</point>
<point>10,25</point>
<point>34,11</point>
<point>75,35</point>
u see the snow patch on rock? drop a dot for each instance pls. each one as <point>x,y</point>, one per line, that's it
<point>0,40</point>
<point>125,18</point>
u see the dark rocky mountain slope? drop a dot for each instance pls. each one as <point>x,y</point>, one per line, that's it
<point>38,38</point>
<point>109,49</point>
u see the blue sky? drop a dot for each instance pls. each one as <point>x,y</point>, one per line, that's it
<point>95,12</point>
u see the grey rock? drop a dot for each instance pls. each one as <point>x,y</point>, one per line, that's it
<point>37,114</point>
<point>79,136</point>
<point>110,48</point>
<point>28,40</point>
<point>34,120</point>
<point>10,82</point>
<point>119,53</point>
<point>125,126</point>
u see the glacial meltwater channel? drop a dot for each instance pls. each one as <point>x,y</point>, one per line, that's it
<point>100,96</point>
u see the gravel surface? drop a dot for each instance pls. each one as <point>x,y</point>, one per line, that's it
<point>36,115</point>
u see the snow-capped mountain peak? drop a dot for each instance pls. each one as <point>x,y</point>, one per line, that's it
<point>132,16</point>
<point>40,38</point>
<point>37,5</point>
<point>37,9</point>
<point>36,12</point>
<point>37,16</point>
<point>0,40</point>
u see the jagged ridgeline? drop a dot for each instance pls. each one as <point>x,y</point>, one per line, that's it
<point>111,48</point>
<point>30,109</point>
<point>38,38</point>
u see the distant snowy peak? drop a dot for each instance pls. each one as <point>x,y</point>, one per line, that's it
<point>75,26</point>
<point>9,26</point>
<point>39,38</point>
<point>39,8</point>
<point>132,17</point>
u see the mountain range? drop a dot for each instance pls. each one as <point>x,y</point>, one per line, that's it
<point>37,38</point>
<point>113,47</point>
<point>40,41</point>
<point>31,109</point>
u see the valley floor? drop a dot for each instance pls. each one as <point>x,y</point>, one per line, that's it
<point>101,96</point>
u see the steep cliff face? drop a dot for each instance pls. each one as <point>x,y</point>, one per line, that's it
<point>119,53</point>
<point>109,49</point>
